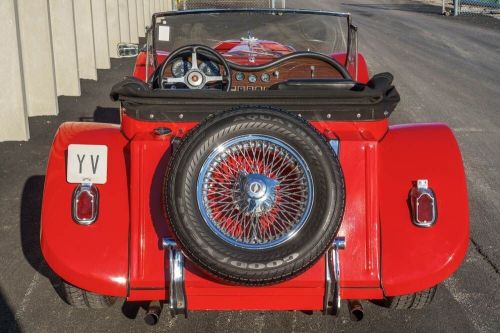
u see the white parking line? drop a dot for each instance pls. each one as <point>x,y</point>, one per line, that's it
<point>27,296</point>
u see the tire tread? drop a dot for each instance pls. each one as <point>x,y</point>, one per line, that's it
<point>83,299</point>
<point>417,300</point>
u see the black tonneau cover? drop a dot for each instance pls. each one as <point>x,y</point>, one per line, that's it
<point>317,100</point>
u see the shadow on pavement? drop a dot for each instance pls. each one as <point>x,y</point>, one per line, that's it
<point>8,322</point>
<point>131,309</point>
<point>104,115</point>
<point>31,210</point>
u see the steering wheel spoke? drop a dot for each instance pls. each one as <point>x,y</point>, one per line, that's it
<point>214,78</point>
<point>170,80</point>
<point>194,59</point>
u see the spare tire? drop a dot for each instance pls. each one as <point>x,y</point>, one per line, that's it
<point>254,195</point>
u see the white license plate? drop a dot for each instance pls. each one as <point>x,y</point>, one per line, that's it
<point>87,164</point>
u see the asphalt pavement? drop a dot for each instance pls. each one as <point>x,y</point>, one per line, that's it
<point>446,69</point>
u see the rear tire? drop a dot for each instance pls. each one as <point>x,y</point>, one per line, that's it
<point>417,300</point>
<point>245,256</point>
<point>83,299</point>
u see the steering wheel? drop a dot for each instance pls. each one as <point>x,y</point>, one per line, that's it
<point>194,78</point>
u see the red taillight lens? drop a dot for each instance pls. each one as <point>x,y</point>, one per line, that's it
<point>423,204</point>
<point>85,204</point>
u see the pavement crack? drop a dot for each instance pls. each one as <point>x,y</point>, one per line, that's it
<point>484,256</point>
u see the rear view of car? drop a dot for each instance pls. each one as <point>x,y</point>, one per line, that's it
<point>254,169</point>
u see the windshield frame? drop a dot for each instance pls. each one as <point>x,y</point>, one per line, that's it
<point>350,27</point>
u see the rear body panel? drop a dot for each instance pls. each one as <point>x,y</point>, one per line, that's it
<point>92,257</point>
<point>385,254</point>
<point>418,258</point>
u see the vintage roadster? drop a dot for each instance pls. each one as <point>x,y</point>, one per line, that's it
<point>254,169</point>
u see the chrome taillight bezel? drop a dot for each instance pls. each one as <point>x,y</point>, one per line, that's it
<point>420,189</point>
<point>92,190</point>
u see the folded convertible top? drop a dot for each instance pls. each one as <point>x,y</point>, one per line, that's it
<point>312,99</point>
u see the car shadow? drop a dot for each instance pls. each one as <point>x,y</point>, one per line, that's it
<point>8,321</point>
<point>31,210</point>
<point>104,115</point>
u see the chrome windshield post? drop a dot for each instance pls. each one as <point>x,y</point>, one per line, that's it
<point>149,49</point>
<point>176,292</point>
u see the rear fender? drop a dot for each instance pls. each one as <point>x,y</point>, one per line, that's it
<point>94,257</point>
<point>416,258</point>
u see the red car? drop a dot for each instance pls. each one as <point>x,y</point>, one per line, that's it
<point>254,169</point>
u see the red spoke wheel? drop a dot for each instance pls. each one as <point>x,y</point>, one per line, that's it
<point>254,196</point>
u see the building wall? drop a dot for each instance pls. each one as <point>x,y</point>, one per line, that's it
<point>49,45</point>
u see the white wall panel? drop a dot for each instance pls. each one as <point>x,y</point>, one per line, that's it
<point>100,34</point>
<point>62,25</point>
<point>147,12</point>
<point>13,113</point>
<point>132,16</point>
<point>37,58</point>
<point>124,21</point>
<point>140,18</point>
<point>85,39</point>
<point>113,16</point>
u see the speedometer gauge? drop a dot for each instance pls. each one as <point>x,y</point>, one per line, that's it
<point>210,68</point>
<point>180,67</point>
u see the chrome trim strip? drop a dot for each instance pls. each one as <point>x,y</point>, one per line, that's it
<point>332,299</point>
<point>335,144</point>
<point>92,190</point>
<point>176,293</point>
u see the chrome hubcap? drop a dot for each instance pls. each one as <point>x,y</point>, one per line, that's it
<point>255,191</point>
<point>255,194</point>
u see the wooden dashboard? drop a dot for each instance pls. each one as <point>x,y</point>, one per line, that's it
<point>249,79</point>
<point>298,68</point>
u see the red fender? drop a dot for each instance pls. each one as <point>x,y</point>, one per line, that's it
<point>94,257</point>
<point>415,258</point>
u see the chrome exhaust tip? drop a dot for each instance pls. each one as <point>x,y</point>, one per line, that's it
<point>356,311</point>
<point>153,313</point>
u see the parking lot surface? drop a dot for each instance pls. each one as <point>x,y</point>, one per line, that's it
<point>446,70</point>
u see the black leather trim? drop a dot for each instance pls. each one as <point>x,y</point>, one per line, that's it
<point>336,100</point>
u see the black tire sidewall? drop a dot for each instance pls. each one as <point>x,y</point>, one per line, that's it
<point>249,266</point>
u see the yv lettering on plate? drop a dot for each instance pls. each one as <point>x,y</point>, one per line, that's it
<point>94,160</point>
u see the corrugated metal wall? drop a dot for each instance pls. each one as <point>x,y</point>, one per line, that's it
<point>47,46</point>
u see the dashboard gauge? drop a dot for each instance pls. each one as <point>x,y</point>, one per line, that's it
<point>265,77</point>
<point>252,78</point>
<point>240,76</point>
<point>210,68</point>
<point>180,67</point>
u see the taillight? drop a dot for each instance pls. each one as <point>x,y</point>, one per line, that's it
<point>85,204</point>
<point>423,204</point>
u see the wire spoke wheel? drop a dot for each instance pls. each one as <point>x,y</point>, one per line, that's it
<point>255,191</point>
<point>254,195</point>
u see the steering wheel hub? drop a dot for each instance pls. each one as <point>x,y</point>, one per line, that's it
<point>195,78</point>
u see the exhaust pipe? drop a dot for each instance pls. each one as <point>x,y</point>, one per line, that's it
<point>153,313</point>
<point>356,311</point>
